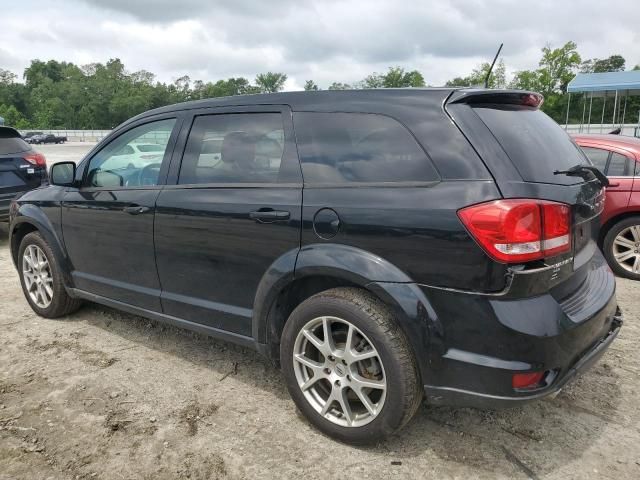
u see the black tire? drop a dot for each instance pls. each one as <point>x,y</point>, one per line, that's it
<point>608,246</point>
<point>61,303</point>
<point>373,318</point>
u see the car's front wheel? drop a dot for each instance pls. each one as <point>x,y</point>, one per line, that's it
<point>621,248</point>
<point>41,279</point>
<point>349,367</point>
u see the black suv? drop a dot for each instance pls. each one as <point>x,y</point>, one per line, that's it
<point>379,245</point>
<point>21,168</point>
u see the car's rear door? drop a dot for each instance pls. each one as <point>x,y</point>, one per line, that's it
<point>234,209</point>
<point>108,221</point>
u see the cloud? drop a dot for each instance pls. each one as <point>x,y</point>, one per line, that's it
<point>326,40</point>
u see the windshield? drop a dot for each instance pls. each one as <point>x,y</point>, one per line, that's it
<point>534,142</point>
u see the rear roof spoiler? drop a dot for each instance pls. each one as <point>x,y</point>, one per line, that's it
<point>9,132</point>
<point>486,96</point>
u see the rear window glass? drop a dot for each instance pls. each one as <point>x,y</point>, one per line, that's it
<point>534,142</point>
<point>339,148</point>
<point>13,145</point>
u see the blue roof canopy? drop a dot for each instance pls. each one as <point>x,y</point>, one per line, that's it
<point>601,83</point>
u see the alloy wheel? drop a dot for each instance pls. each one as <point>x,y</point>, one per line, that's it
<point>626,249</point>
<point>339,371</point>
<point>36,273</point>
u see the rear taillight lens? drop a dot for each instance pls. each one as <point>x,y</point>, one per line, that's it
<point>527,380</point>
<point>519,230</point>
<point>36,159</point>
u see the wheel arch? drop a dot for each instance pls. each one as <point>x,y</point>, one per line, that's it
<point>318,268</point>
<point>609,224</point>
<point>30,218</point>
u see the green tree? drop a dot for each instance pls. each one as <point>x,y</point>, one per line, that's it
<point>614,63</point>
<point>310,85</point>
<point>396,77</point>
<point>12,117</point>
<point>270,82</point>
<point>339,86</point>
<point>558,67</point>
<point>7,77</point>
<point>478,75</point>
<point>527,80</point>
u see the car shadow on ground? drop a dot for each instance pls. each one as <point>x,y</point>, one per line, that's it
<point>534,439</point>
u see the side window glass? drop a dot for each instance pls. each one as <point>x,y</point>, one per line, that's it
<point>339,148</point>
<point>617,165</point>
<point>234,148</point>
<point>597,156</point>
<point>133,159</point>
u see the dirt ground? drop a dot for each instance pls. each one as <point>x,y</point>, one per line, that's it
<point>106,395</point>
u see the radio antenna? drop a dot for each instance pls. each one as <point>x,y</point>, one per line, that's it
<point>486,79</point>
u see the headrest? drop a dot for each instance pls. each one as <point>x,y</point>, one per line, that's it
<point>238,148</point>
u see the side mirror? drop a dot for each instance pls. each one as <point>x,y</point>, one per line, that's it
<point>63,174</point>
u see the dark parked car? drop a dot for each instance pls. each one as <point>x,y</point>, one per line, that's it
<point>619,158</point>
<point>27,136</point>
<point>379,245</point>
<point>47,138</point>
<point>21,168</point>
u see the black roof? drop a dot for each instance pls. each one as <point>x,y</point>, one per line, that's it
<point>321,100</point>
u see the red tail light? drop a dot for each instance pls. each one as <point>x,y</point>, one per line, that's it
<point>527,380</point>
<point>36,159</point>
<point>519,230</point>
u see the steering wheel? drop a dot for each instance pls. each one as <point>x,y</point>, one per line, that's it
<point>149,174</point>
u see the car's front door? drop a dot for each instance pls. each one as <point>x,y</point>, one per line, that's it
<point>108,221</point>
<point>233,210</point>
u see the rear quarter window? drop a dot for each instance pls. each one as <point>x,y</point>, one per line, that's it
<point>344,148</point>
<point>534,142</point>
<point>13,145</point>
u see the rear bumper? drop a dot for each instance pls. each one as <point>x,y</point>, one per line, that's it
<point>483,340</point>
<point>459,397</point>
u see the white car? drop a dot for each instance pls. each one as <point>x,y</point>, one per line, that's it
<point>137,155</point>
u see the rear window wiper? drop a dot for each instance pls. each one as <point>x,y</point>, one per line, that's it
<point>586,172</point>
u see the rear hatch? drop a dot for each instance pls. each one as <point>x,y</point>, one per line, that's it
<point>21,168</point>
<point>524,149</point>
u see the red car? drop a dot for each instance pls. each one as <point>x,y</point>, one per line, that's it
<point>619,158</point>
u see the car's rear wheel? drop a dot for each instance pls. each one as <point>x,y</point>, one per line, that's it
<point>41,279</point>
<point>349,367</point>
<point>622,248</point>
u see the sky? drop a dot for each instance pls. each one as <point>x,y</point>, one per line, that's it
<point>326,41</point>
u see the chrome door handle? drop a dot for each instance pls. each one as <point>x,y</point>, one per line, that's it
<point>269,215</point>
<point>135,210</point>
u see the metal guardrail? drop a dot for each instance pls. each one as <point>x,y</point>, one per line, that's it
<point>75,135</point>
<point>94,136</point>
<point>628,129</point>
